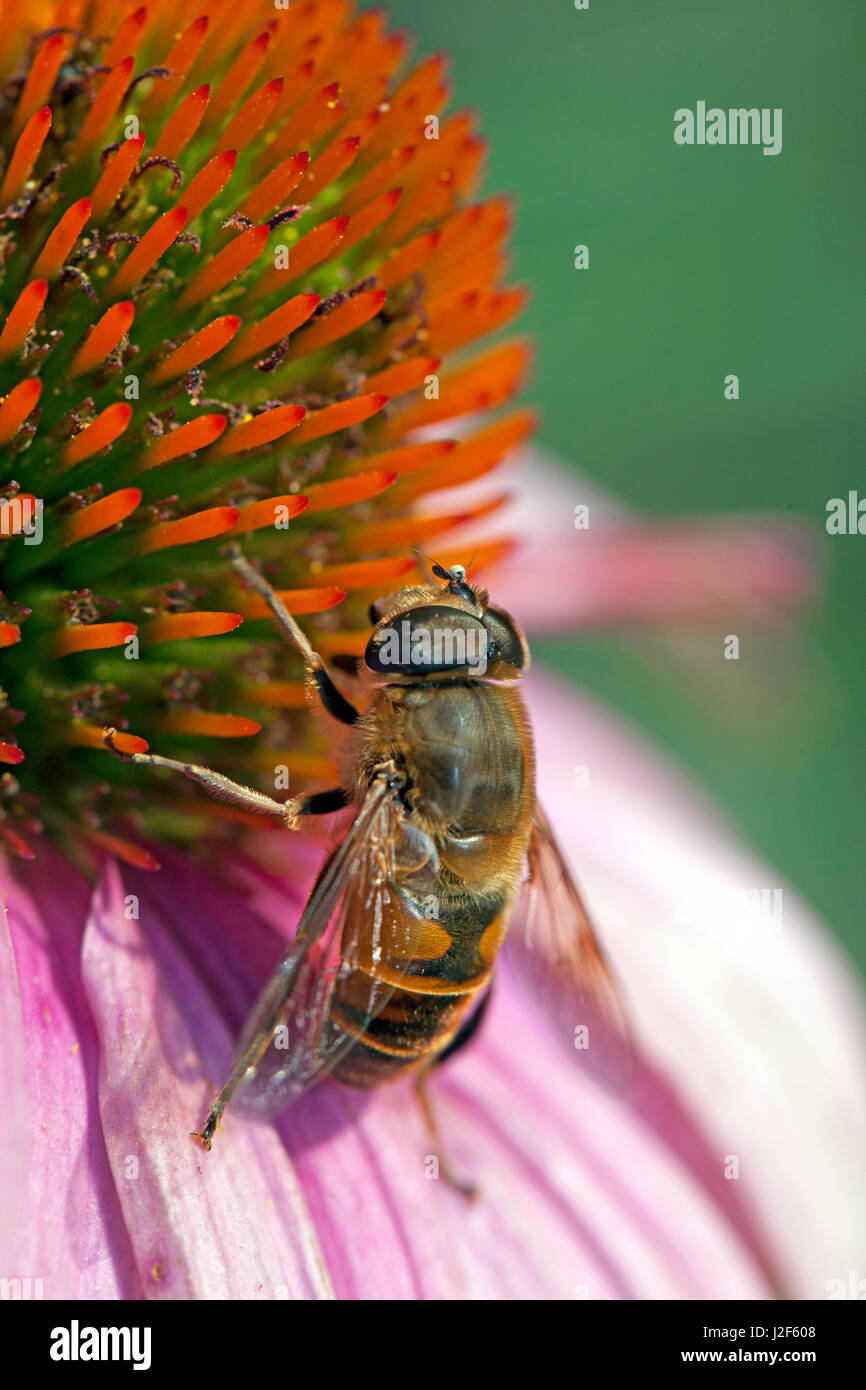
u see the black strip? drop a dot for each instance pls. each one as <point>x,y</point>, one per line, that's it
<point>323,803</point>
<point>467,1029</point>
<point>336,704</point>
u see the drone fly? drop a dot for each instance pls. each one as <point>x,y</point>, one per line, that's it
<point>392,964</point>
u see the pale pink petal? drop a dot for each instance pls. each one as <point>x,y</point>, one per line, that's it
<point>554,1217</point>
<point>760,1025</point>
<point>578,1196</point>
<point>62,1222</point>
<point>14,1149</point>
<point>626,569</point>
<point>226,1225</point>
<point>384,1230</point>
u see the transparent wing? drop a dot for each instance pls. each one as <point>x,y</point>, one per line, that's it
<point>356,939</point>
<point>556,952</point>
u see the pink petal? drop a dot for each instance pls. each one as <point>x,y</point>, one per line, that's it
<point>578,1198</point>
<point>761,1030</point>
<point>61,1218</point>
<point>383,1229</point>
<point>13,1092</point>
<point>231,1224</point>
<point>626,569</point>
<point>520,1128</point>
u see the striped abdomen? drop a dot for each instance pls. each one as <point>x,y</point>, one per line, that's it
<point>467,755</point>
<point>433,995</point>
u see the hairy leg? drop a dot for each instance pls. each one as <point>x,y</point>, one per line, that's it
<point>334,702</point>
<point>225,789</point>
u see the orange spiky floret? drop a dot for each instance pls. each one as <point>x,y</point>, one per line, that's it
<point>25,154</point>
<point>157,239</point>
<point>340,416</point>
<point>339,324</point>
<point>115,176</point>
<point>195,434</point>
<point>129,853</point>
<point>226,266</point>
<point>84,735</point>
<point>332,162</point>
<point>208,182</point>
<point>274,188</point>
<point>178,627</point>
<point>93,637</point>
<point>127,38</point>
<point>40,79</point>
<point>200,526</point>
<point>17,406</point>
<point>235,266</point>
<point>260,429</point>
<point>62,239</point>
<point>267,512</point>
<point>405,376</point>
<point>204,344</point>
<point>312,249</point>
<point>245,126</point>
<point>344,492</point>
<point>316,600</point>
<point>103,431</point>
<point>177,63</point>
<point>21,317</point>
<point>182,124</point>
<point>103,338</point>
<point>98,118</point>
<point>214,725</point>
<point>239,76</point>
<point>272,328</point>
<point>102,514</point>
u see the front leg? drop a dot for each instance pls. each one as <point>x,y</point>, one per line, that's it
<point>224,789</point>
<point>333,701</point>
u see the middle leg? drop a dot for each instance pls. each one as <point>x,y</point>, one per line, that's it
<point>225,789</point>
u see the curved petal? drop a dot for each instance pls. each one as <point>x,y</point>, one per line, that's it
<point>564,1205</point>
<point>579,1198</point>
<point>564,1171</point>
<point>61,1217</point>
<point>611,566</point>
<point>226,1225</point>
<point>755,1017</point>
<point>13,1094</point>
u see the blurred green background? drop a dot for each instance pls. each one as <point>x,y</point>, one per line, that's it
<point>703,262</point>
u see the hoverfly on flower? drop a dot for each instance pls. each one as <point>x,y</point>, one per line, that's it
<point>392,964</point>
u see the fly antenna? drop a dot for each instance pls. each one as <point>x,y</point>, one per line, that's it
<point>431,567</point>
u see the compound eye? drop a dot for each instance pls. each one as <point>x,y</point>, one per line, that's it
<point>506,637</point>
<point>429,640</point>
<point>378,608</point>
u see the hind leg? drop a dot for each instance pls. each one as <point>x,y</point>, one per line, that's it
<point>464,1034</point>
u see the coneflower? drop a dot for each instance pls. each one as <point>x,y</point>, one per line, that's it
<point>242,268</point>
<point>243,273</point>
